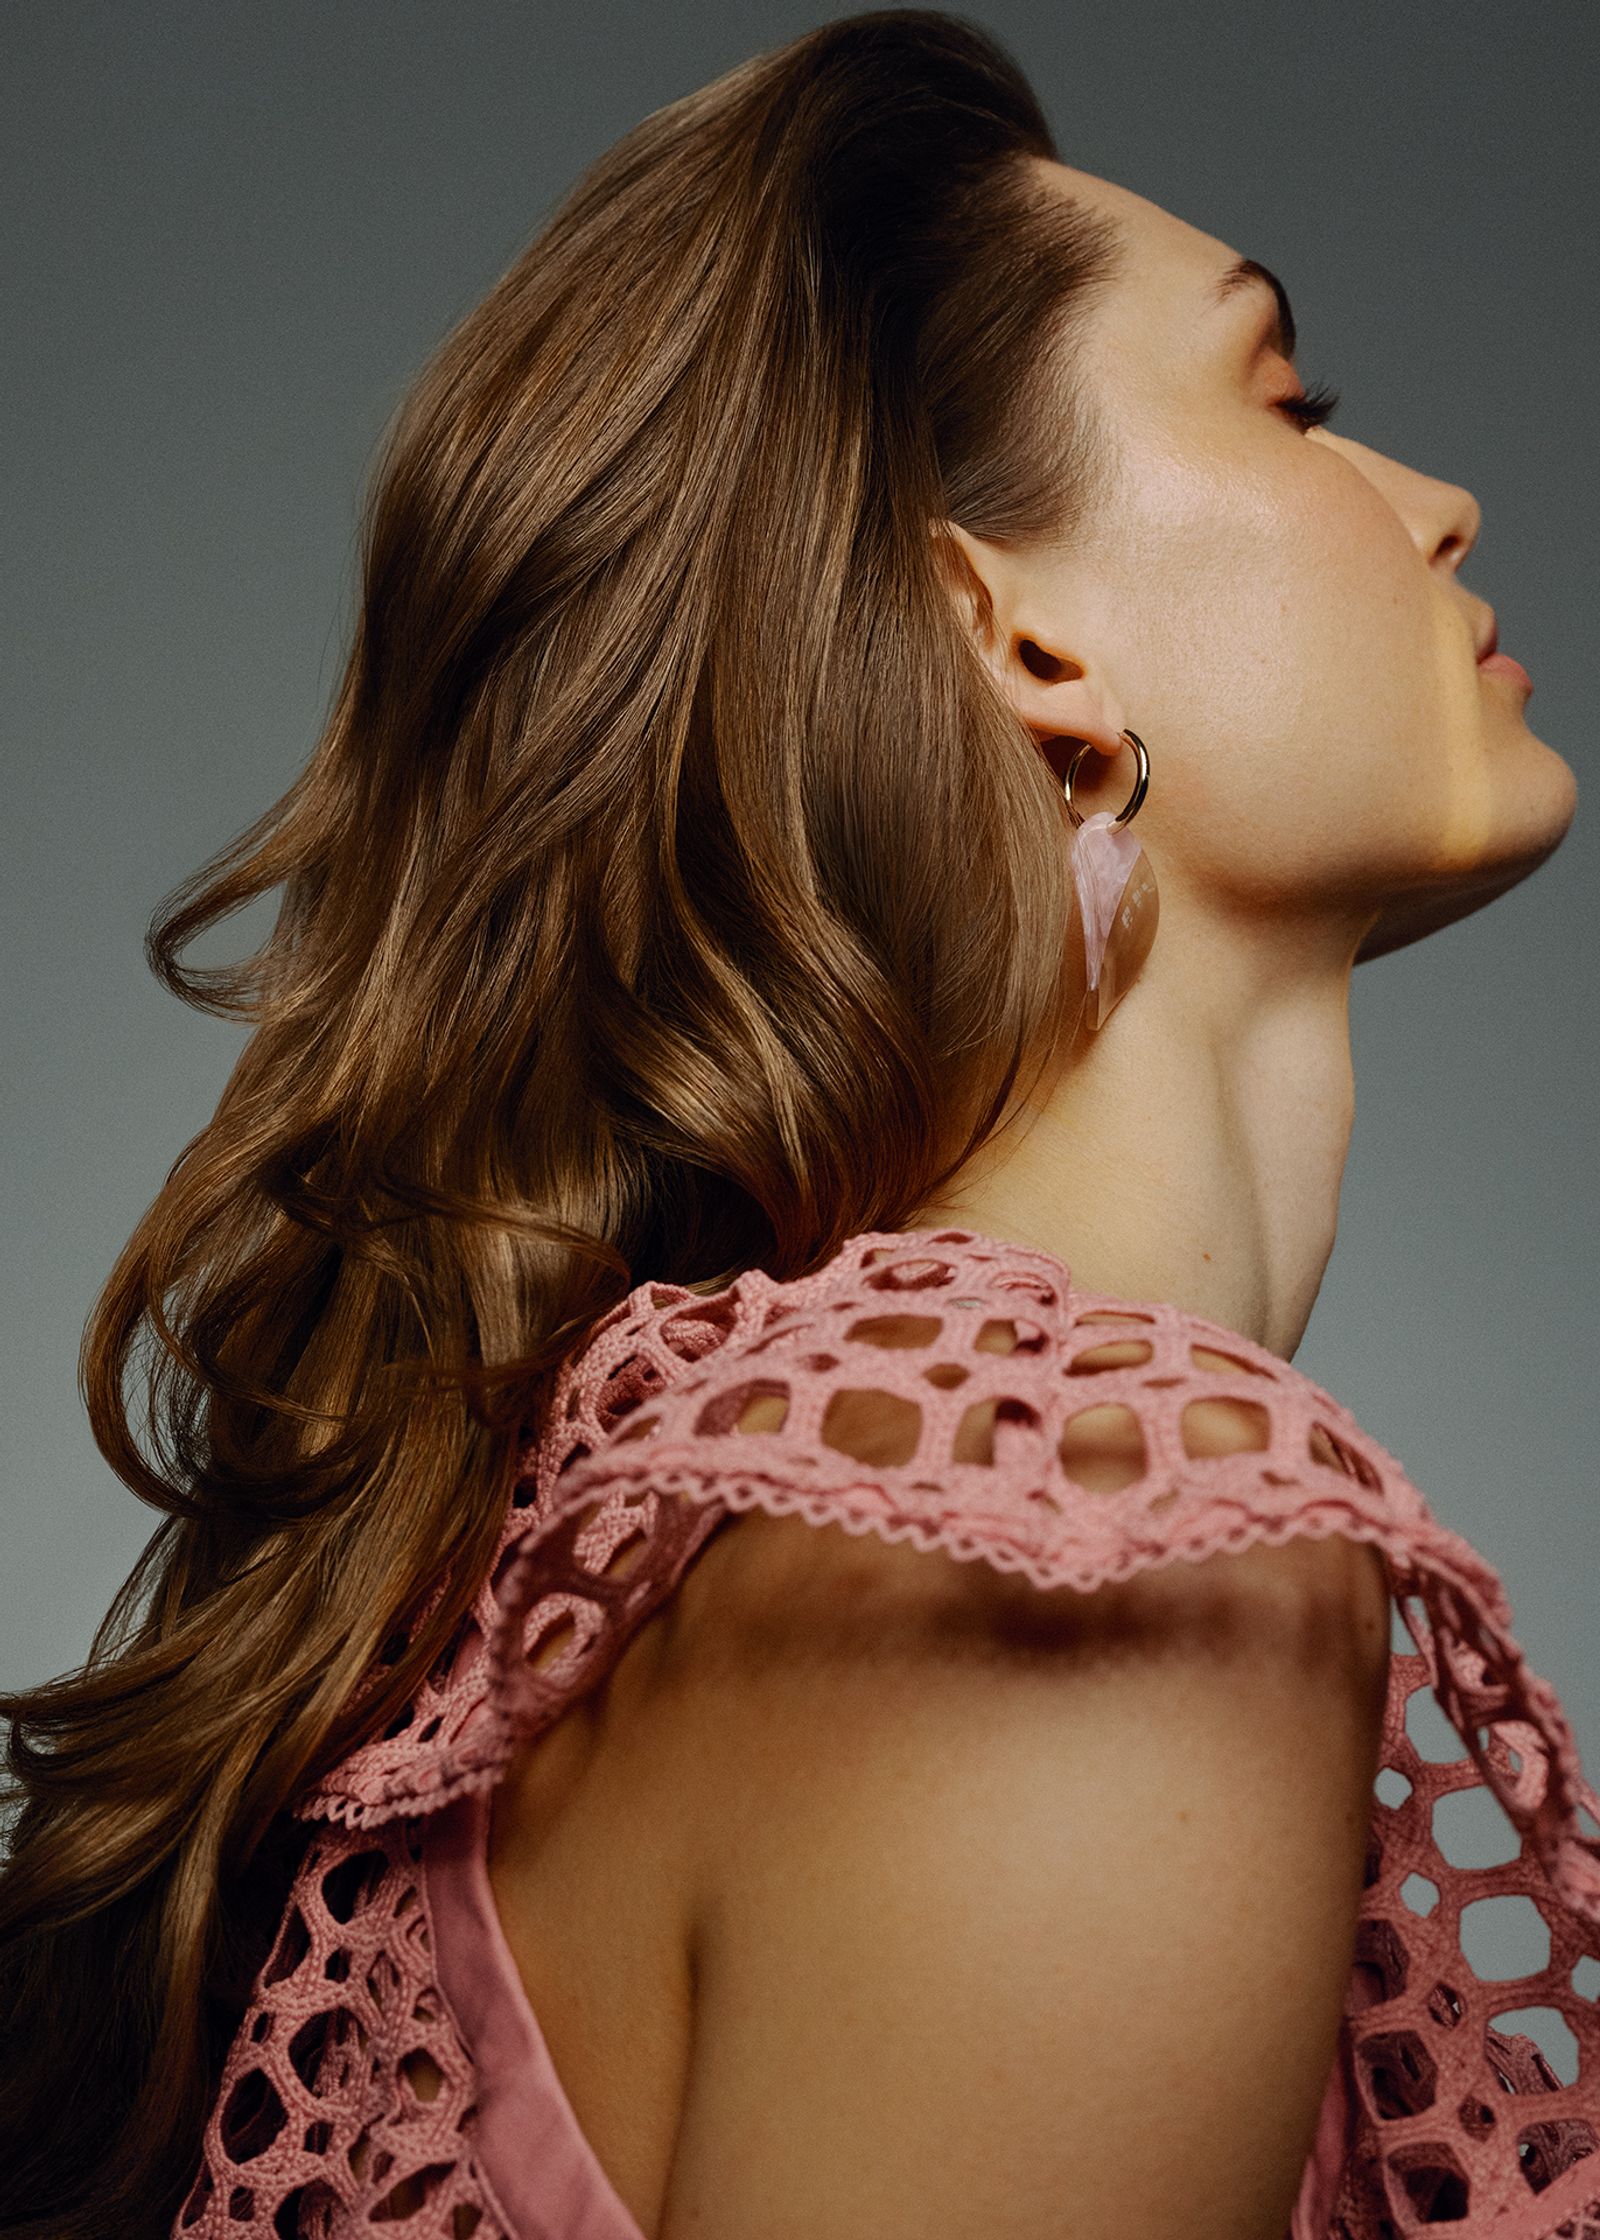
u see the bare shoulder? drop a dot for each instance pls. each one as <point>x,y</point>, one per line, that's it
<point>770,1591</point>
<point>1016,1911</point>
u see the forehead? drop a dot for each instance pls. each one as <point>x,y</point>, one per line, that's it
<point>1158,240</point>
<point>1164,295</point>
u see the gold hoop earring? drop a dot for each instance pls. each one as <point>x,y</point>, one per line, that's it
<point>1118,902</point>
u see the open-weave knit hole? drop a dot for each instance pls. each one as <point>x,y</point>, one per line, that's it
<point>1470,1830</point>
<point>996,1432</point>
<point>1546,2149</point>
<point>1506,1938</point>
<point>999,1383</point>
<point>766,1409</point>
<point>1436,2188</point>
<point>1444,2005</point>
<point>252,2117</point>
<point>423,2074</point>
<point>725,1410</point>
<point>1118,1353</point>
<point>1214,1426</point>
<point>1008,1334</point>
<point>1399,2073</point>
<point>1382,1967</point>
<point>1102,1448</point>
<point>895,1329</point>
<point>946,1375</point>
<point>328,2050</point>
<point>872,1426</point>
<point>292,1945</point>
<point>411,2195</point>
<point>904,1273</point>
<point>1225,1364</point>
<point>1551,2033</point>
<point>1475,2117</point>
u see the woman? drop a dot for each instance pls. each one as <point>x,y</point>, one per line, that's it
<point>717,940</point>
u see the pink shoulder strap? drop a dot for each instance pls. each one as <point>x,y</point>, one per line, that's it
<point>1442,2109</point>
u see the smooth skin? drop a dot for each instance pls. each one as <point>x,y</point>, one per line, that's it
<point>1278,613</point>
<point>1017,1916</point>
<point>1014,1915</point>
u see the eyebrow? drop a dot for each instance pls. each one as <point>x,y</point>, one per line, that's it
<point>1248,273</point>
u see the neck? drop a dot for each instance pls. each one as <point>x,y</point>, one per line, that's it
<point>1192,1150</point>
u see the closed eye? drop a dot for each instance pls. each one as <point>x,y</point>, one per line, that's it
<point>1312,407</point>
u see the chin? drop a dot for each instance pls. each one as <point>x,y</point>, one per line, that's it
<point>1545,800</point>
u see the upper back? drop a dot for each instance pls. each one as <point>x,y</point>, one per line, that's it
<point>1024,1555</point>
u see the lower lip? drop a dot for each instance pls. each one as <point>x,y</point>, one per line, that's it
<point>1502,665</point>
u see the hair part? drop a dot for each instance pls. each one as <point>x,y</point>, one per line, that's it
<point>671,892</point>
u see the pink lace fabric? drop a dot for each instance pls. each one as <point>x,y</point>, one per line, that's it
<point>350,2101</point>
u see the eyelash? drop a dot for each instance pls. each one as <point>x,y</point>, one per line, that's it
<point>1318,404</point>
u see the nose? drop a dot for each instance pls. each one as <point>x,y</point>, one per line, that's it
<point>1444,519</point>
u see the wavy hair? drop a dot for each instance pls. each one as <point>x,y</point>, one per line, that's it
<point>670,892</point>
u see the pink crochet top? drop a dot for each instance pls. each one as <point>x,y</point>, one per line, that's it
<point>390,1970</point>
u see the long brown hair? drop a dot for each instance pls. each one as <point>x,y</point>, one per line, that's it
<point>670,893</point>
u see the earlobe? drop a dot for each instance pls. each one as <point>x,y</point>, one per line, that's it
<point>1058,696</point>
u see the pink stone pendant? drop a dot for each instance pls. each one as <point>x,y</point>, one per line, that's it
<point>1118,904</point>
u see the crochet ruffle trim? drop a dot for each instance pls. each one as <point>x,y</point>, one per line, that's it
<point>593,1489</point>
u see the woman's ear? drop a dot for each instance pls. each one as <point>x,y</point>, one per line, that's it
<point>1000,598</point>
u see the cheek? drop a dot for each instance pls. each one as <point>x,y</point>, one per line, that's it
<point>1277,627</point>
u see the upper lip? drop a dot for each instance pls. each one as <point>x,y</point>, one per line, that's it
<point>1488,638</point>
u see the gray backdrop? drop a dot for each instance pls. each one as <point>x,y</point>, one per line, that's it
<point>235,232</point>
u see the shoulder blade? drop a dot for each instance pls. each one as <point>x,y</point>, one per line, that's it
<point>1020,1911</point>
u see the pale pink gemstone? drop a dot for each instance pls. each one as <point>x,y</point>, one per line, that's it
<point>1117,902</point>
